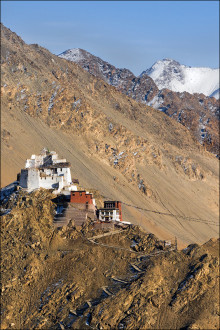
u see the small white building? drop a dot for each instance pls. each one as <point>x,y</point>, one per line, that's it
<point>111,212</point>
<point>109,215</point>
<point>46,171</point>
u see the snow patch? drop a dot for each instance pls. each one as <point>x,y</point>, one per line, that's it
<point>156,102</point>
<point>51,103</point>
<point>72,55</point>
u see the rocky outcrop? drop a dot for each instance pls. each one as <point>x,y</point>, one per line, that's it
<point>160,300</point>
<point>58,278</point>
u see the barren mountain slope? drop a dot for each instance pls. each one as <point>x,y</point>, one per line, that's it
<point>126,150</point>
<point>197,112</point>
<point>58,279</point>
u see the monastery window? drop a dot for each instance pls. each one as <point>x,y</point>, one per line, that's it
<point>61,170</point>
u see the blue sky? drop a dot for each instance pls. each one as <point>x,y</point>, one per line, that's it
<point>130,34</point>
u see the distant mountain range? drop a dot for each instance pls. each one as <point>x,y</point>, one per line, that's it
<point>198,112</point>
<point>166,73</point>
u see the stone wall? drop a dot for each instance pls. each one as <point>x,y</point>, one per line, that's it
<point>24,178</point>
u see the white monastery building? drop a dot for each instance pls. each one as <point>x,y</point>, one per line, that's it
<point>47,171</point>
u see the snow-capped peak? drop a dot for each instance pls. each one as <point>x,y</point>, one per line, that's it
<point>167,61</point>
<point>74,54</point>
<point>168,73</point>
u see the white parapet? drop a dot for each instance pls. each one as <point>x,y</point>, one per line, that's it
<point>57,161</point>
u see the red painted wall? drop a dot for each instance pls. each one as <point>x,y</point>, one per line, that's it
<point>118,205</point>
<point>81,197</point>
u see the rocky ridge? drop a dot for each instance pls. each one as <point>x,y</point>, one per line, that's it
<point>57,278</point>
<point>197,112</point>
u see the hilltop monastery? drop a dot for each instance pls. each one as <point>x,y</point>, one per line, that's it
<point>48,171</point>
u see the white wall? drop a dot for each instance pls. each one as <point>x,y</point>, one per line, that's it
<point>65,172</point>
<point>54,157</point>
<point>34,161</point>
<point>49,182</point>
<point>57,161</point>
<point>114,215</point>
<point>33,179</point>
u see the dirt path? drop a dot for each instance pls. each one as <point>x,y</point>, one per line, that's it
<point>92,240</point>
<point>113,232</point>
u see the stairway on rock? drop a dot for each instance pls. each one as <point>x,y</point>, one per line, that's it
<point>78,217</point>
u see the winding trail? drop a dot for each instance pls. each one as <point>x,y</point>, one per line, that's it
<point>140,254</point>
